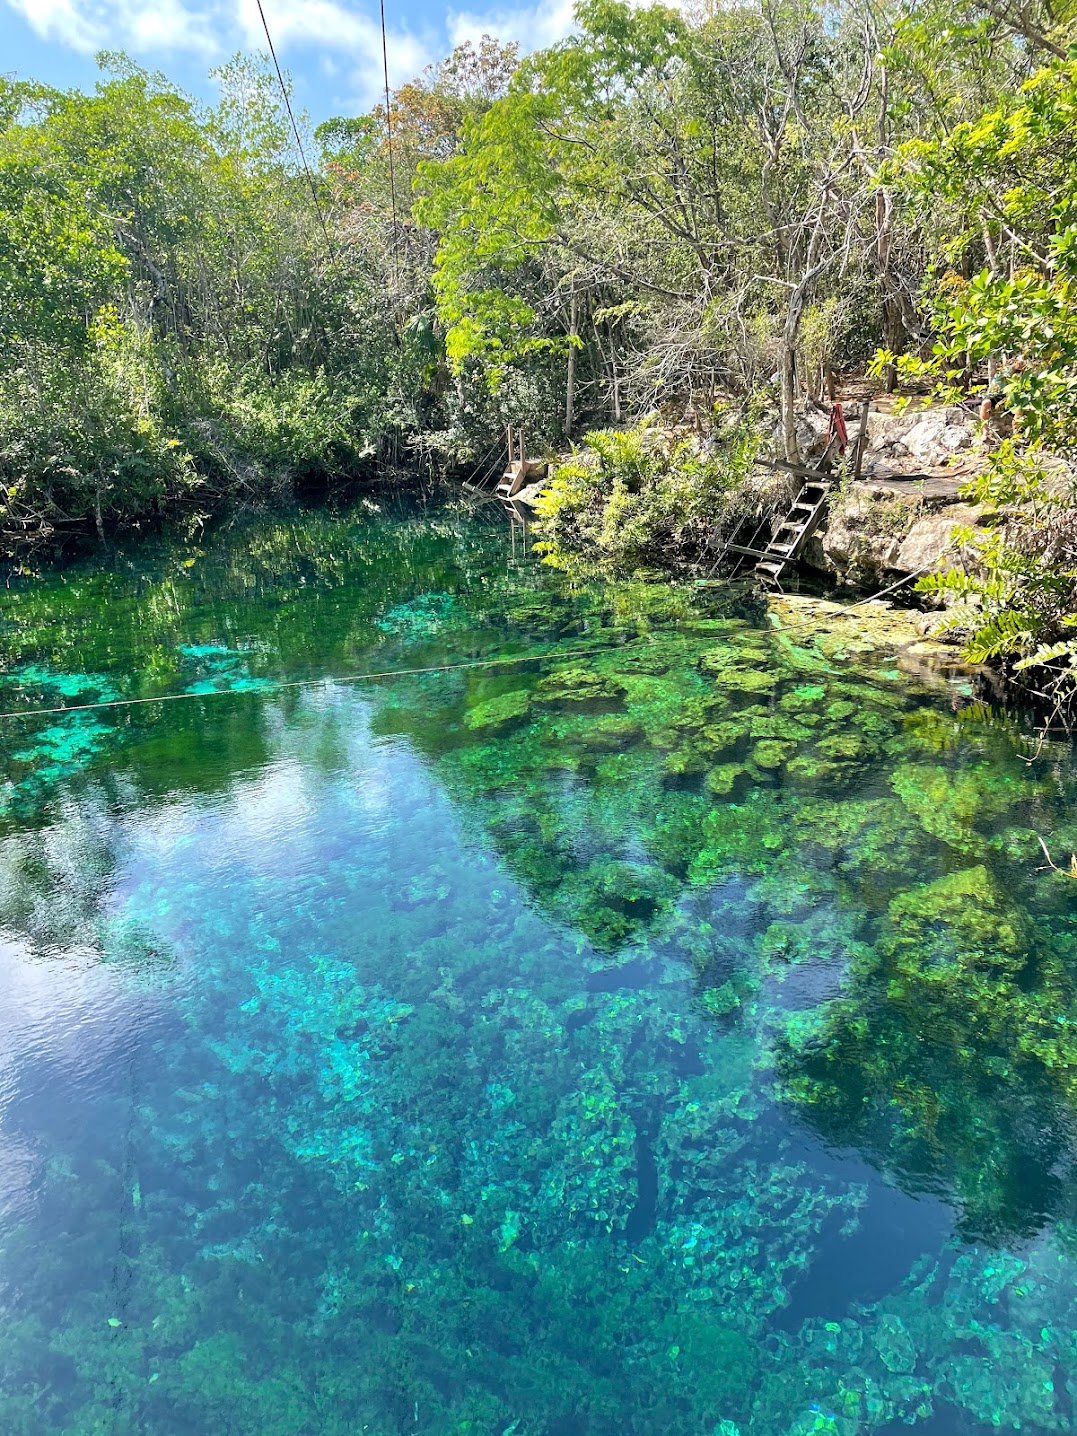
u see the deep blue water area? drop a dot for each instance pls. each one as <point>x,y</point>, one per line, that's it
<point>671,1031</point>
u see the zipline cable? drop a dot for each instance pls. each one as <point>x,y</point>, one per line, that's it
<point>389,136</point>
<point>295,129</point>
<point>274,685</point>
<point>872,597</point>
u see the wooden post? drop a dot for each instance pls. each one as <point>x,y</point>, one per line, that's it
<point>861,437</point>
<point>510,447</point>
<point>523,454</point>
<point>570,381</point>
<point>615,382</point>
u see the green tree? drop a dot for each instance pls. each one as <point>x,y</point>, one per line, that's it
<point>1008,181</point>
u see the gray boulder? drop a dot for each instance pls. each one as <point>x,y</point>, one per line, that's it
<point>930,537</point>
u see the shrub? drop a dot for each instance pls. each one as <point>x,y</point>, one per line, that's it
<point>630,495</point>
<point>82,436</point>
<point>253,433</point>
<point>1014,587</point>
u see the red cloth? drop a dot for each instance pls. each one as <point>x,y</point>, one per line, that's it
<point>837,426</point>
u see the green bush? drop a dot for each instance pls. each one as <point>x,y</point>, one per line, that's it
<point>106,437</point>
<point>1007,178</point>
<point>1013,588</point>
<point>253,431</point>
<point>627,496</point>
<point>83,436</point>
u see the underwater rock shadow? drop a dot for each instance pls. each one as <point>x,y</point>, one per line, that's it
<point>894,1230</point>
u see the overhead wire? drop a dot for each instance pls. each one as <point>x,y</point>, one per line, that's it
<point>871,598</point>
<point>295,129</point>
<point>274,685</point>
<point>389,136</point>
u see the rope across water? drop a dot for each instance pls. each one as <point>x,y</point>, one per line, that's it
<point>273,685</point>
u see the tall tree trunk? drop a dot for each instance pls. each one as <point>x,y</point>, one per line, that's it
<point>788,371</point>
<point>609,364</point>
<point>798,297</point>
<point>893,322</point>
<point>570,380</point>
<point>892,327</point>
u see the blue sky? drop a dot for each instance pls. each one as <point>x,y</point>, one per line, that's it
<point>332,48</point>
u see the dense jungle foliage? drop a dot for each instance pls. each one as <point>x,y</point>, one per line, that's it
<point>655,212</point>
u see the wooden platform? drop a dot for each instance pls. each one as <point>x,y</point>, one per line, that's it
<point>518,475</point>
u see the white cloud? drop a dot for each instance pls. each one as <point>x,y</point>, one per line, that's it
<point>352,35</point>
<point>142,26</point>
<point>534,27</point>
<point>59,20</point>
<point>342,38</point>
<point>169,25</point>
<point>347,33</point>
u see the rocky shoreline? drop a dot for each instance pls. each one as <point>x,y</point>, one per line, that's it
<point>902,514</point>
<point>901,517</point>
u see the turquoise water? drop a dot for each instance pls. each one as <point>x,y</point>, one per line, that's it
<point>670,1032</point>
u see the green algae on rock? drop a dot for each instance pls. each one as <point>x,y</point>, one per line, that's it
<point>499,712</point>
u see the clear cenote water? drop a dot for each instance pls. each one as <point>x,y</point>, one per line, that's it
<point>677,1040</point>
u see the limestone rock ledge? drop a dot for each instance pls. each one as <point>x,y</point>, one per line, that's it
<point>874,531</point>
<point>903,514</point>
<point>898,635</point>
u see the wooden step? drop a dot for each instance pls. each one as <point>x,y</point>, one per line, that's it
<point>802,471</point>
<point>747,552</point>
<point>792,533</point>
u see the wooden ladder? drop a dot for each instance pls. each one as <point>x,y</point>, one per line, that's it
<point>753,548</point>
<point>520,468</point>
<point>785,546</point>
<point>804,517</point>
<point>799,524</point>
